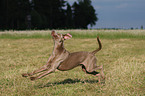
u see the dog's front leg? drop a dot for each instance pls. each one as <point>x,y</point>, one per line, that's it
<point>50,70</point>
<point>36,71</point>
<point>42,75</point>
<point>43,68</point>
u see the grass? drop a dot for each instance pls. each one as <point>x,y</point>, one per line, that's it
<point>122,57</point>
<point>107,34</point>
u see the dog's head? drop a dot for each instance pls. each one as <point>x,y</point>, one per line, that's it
<point>60,37</point>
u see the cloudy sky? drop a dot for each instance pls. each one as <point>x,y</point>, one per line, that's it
<point>119,13</point>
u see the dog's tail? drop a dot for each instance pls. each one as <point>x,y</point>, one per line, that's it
<point>100,46</point>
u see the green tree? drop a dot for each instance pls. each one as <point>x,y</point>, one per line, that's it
<point>69,17</point>
<point>17,11</point>
<point>84,14</point>
<point>141,27</point>
<point>44,14</point>
<point>52,12</point>
<point>36,20</point>
<point>2,14</point>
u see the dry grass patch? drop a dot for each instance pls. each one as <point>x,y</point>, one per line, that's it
<point>123,61</point>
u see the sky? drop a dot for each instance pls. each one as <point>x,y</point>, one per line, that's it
<point>124,14</point>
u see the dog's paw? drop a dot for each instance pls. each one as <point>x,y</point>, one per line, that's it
<point>25,75</point>
<point>32,78</point>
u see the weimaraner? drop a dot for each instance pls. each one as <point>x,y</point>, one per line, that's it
<point>63,60</point>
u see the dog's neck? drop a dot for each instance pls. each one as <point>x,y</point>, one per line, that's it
<point>58,48</point>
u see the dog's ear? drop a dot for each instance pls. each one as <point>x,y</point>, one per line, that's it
<point>67,36</point>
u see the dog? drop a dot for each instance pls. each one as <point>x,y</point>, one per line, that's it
<point>63,60</point>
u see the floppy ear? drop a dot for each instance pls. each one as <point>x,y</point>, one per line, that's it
<point>67,36</point>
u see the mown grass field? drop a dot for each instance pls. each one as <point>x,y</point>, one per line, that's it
<point>122,55</point>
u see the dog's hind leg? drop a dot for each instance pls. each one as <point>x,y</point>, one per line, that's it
<point>95,73</point>
<point>92,73</point>
<point>102,73</point>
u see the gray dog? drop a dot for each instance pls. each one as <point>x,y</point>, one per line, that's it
<point>63,60</point>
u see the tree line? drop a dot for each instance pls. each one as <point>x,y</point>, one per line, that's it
<point>46,14</point>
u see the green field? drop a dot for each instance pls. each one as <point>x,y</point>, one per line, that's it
<point>122,55</point>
